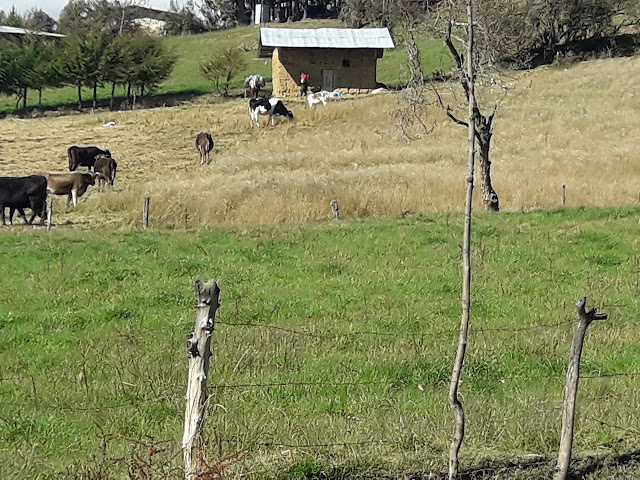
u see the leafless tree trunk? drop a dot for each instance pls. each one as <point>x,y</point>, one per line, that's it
<point>571,389</point>
<point>454,401</point>
<point>483,124</point>
<point>199,351</point>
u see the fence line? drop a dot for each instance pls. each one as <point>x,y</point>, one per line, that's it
<point>313,445</point>
<point>612,425</point>
<point>393,334</point>
<point>389,382</point>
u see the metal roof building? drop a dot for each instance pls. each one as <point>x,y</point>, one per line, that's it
<point>333,57</point>
<point>6,30</point>
<point>271,38</point>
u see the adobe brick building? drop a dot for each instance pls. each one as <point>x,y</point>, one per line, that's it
<point>334,58</point>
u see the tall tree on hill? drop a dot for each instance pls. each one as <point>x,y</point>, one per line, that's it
<point>82,16</point>
<point>38,20</point>
<point>73,63</point>
<point>11,74</point>
<point>13,18</point>
<point>184,19</point>
<point>95,46</point>
<point>116,63</point>
<point>383,13</point>
<point>222,67</point>
<point>220,13</point>
<point>42,71</point>
<point>150,63</point>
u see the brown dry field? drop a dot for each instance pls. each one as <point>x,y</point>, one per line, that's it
<point>578,126</point>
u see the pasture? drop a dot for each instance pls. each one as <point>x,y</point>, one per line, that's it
<point>335,340</point>
<point>191,50</point>
<point>333,350</point>
<point>577,127</point>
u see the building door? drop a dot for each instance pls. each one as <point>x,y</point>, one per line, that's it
<point>328,80</point>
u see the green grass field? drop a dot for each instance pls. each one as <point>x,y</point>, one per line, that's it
<point>192,50</point>
<point>362,315</point>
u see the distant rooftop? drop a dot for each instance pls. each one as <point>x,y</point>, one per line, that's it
<point>4,29</point>
<point>271,38</point>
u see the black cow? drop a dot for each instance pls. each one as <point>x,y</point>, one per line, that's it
<point>272,107</point>
<point>84,156</point>
<point>19,193</point>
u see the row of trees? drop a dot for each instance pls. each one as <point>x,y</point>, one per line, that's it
<point>526,32</point>
<point>89,60</point>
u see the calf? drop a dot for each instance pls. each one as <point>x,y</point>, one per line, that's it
<point>84,156</point>
<point>204,144</point>
<point>19,193</point>
<point>272,107</point>
<point>105,169</point>
<point>73,184</point>
<point>322,97</point>
<point>317,98</point>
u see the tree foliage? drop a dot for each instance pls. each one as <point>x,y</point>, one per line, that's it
<point>38,20</point>
<point>184,19</point>
<point>222,67</point>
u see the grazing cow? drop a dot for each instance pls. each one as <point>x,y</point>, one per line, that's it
<point>254,83</point>
<point>84,156</point>
<point>204,144</point>
<point>105,169</point>
<point>73,184</point>
<point>19,193</point>
<point>272,107</point>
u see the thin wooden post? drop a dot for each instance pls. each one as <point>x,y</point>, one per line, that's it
<point>145,212</point>
<point>335,209</point>
<point>564,195</point>
<point>571,388</point>
<point>49,203</point>
<point>199,352</point>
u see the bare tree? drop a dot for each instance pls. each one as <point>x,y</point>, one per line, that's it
<point>483,124</point>
<point>455,403</point>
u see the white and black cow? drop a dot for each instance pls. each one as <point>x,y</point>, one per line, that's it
<point>272,107</point>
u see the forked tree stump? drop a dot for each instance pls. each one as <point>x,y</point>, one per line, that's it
<point>199,352</point>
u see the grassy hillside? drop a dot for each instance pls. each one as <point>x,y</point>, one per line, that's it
<point>578,127</point>
<point>191,50</point>
<point>333,350</point>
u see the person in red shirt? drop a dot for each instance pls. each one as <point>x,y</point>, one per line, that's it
<point>304,83</point>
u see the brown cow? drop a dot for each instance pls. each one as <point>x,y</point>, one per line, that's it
<point>105,168</point>
<point>204,144</point>
<point>74,184</point>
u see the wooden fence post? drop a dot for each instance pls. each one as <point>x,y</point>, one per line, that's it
<point>571,388</point>
<point>564,195</point>
<point>145,212</point>
<point>49,203</point>
<point>335,209</point>
<point>199,352</point>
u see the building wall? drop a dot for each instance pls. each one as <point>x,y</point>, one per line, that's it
<point>352,68</point>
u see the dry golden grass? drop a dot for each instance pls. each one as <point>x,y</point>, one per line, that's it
<point>578,127</point>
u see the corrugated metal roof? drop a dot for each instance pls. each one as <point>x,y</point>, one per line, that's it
<point>271,38</point>
<point>24,31</point>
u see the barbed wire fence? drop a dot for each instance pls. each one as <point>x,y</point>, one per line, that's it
<point>159,446</point>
